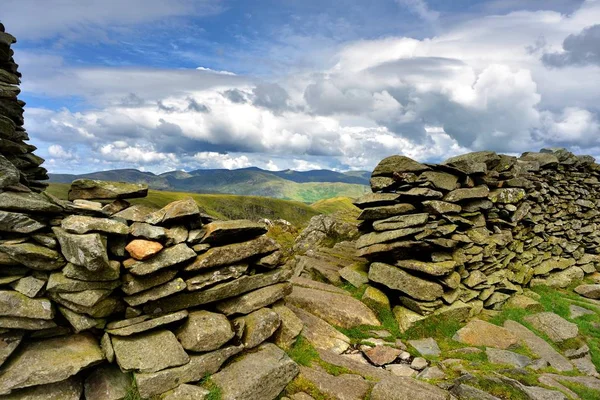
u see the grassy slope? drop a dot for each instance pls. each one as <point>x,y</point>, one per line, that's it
<point>341,206</point>
<point>223,205</point>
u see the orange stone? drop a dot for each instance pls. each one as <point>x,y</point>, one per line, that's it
<point>143,249</point>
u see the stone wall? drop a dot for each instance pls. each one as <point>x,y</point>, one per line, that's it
<point>19,167</point>
<point>94,290</point>
<point>464,235</point>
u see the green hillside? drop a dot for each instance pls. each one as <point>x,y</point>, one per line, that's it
<point>307,187</point>
<point>341,206</point>
<point>223,205</point>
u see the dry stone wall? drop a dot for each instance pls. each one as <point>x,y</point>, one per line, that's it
<point>454,238</point>
<point>95,291</point>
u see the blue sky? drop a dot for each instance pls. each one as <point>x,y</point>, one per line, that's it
<point>279,84</point>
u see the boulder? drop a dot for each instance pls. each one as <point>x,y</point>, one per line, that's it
<point>205,331</point>
<point>149,352</point>
<point>87,250</point>
<point>259,375</point>
<point>426,347</point>
<point>337,309</point>
<point>94,189</point>
<point>179,210</point>
<point>290,328</point>
<point>320,334</point>
<point>481,333</point>
<point>48,361</point>
<point>545,160</point>
<point>342,387</point>
<point>498,356</point>
<point>381,355</point>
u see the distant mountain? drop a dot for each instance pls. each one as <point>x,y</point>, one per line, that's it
<point>305,186</point>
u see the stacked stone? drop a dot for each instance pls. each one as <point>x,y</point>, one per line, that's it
<point>169,295</point>
<point>19,167</point>
<point>453,238</point>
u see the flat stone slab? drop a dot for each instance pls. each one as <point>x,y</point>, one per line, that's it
<point>15,304</point>
<point>158,292</point>
<point>81,224</point>
<point>49,361</point>
<point>9,341</point>
<point>186,392</point>
<point>426,347</point>
<point>589,291</point>
<point>577,311</point>
<point>233,253</point>
<point>401,388</point>
<point>539,346</point>
<point>397,279</point>
<point>382,355</point>
<point>320,334</point>
<point>152,384</point>
<point>258,326</point>
<point>211,277</point>
<point>148,324</point>
<point>87,250</point>
<point>34,256</point>
<point>107,383</point>
<point>497,356</point>
<point>252,301</point>
<point>336,309</point>
<point>219,232</point>
<point>482,333</point>
<point>557,328</point>
<point>166,258</point>
<point>27,202</point>
<point>70,389</point>
<point>18,223</point>
<point>149,352</point>
<point>259,375</point>
<point>95,189</point>
<point>343,387</point>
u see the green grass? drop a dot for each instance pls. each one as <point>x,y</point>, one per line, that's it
<point>583,392</point>
<point>132,392</point>
<point>302,352</point>
<point>215,392</point>
<point>342,207</point>
<point>500,390</point>
<point>224,206</point>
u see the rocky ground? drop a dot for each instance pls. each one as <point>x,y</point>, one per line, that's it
<point>543,344</point>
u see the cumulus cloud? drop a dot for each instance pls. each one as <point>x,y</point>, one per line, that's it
<point>577,49</point>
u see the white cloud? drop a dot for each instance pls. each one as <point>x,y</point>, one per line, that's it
<point>420,8</point>
<point>208,159</point>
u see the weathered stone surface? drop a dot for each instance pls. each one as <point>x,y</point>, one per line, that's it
<point>431,373</point>
<point>577,311</point>
<point>557,328</point>
<point>221,232</point>
<point>9,175</point>
<point>467,392</point>
<point>320,334</point>
<point>481,333</point>
<point>290,328</point>
<point>60,283</point>
<point>69,389</point>
<point>381,355</point>
<point>135,213</point>
<point>375,238</point>
<point>401,370</point>
<point>205,331</point>
<point>539,346</point>
<point>49,361</point>
<point>589,291</point>
<point>336,309</point>
<point>439,180</point>
<point>29,286</point>
<point>219,292</point>
<point>147,231</point>
<point>87,298</point>
<point>525,303</point>
<point>26,323</point>
<point>81,224</point>
<point>259,375</point>
<point>560,279</point>
<point>9,341</point>
<point>382,212</point>
<point>213,276</point>
<point>233,253</point>
<point>376,199</point>
<point>141,249</point>
<point>107,348</point>
<point>33,256</point>
<point>18,223</point>
<point>186,392</point>
<point>107,383</point>
<point>441,207</point>
<point>167,258</point>
<point>15,304</point>
<point>397,164</point>
<point>430,268</point>
<point>149,352</point>
<point>254,300</point>
<point>426,347</point>
<point>134,284</point>
<point>400,222</point>
<point>507,195</point>
<point>152,384</point>
<point>397,279</point>
<point>478,192</point>
<point>87,250</point>
<point>543,159</point>
<point>78,272</point>
<point>148,324</point>
<point>258,326</point>
<point>497,356</point>
<point>93,189</point>
<point>342,387</point>
<point>158,292</point>
<point>175,211</point>
<point>401,388</point>
<point>553,264</point>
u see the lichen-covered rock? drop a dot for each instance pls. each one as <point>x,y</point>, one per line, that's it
<point>233,253</point>
<point>398,279</point>
<point>557,328</point>
<point>481,333</point>
<point>87,250</point>
<point>259,375</point>
<point>397,164</point>
<point>167,258</point>
<point>254,300</point>
<point>94,189</point>
<point>107,383</point>
<point>81,224</point>
<point>205,331</point>
<point>258,326</point>
<point>232,231</point>
<point>33,256</point>
<point>49,361</point>
<point>149,352</point>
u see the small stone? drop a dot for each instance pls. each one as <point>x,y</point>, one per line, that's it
<point>179,210</point>
<point>577,311</point>
<point>158,292</point>
<point>233,253</point>
<point>401,370</point>
<point>458,195</point>
<point>141,249</point>
<point>432,373</point>
<point>111,273</point>
<point>441,207</point>
<point>79,322</point>
<point>397,279</point>
<point>186,392</point>
<point>350,387</point>
<point>578,353</point>
<point>211,277</point>
<point>382,212</point>
<point>87,298</point>
<point>400,222</point>
<point>320,334</point>
<point>426,347</point>
<point>375,298</point>
<point>223,232</point>
<point>205,331</point>
<point>134,284</point>
<point>507,195</point>
<point>29,286</point>
<point>589,291</point>
<point>419,363</point>
<point>15,304</point>
<point>147,231</point>
<point>381,355</point>
<point>290,328</point>
<point>356,274</point>
<point>149,352</point>
<point>166,258</point>
<point>524,302</point>
<point>557,328</point>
